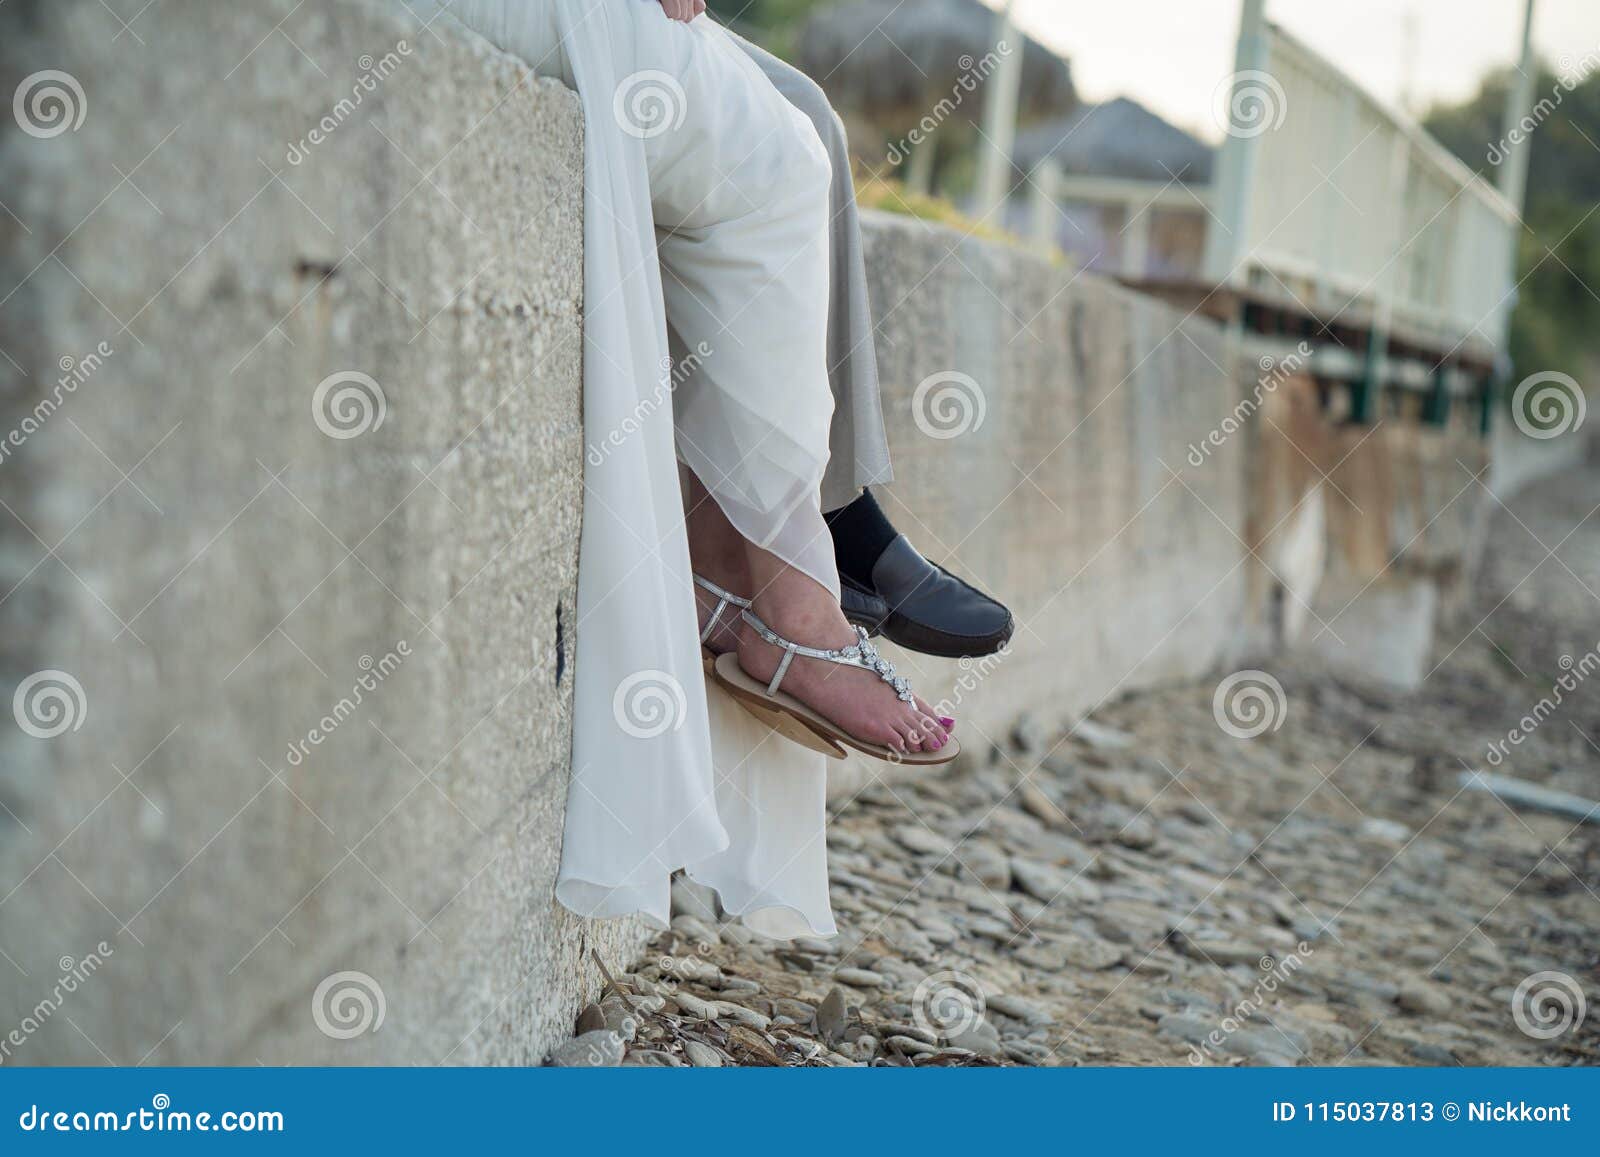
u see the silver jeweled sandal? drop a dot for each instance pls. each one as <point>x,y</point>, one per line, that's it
<point>784,724</point>
<point>860,654</point>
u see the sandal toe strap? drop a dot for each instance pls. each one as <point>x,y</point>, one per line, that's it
<point>860,654</point>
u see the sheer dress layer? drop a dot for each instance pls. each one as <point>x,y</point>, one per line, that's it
<point>706,282</point>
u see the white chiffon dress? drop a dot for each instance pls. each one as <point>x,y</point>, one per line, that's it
<point>706,283</point>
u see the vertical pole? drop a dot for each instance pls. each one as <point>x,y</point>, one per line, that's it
<point>1513,175</point>
<point>1046,210</point>
<point>1367,390</point>
<point>1236,160</point>
<point>1512,180</point>
<point>1366,400</point>
<point>1408,64</point>
<point>999,119</point>
<point>919,168</point>
<point>1436,410</point>
<point>1136,241</point>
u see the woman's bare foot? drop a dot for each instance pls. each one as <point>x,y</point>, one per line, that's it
<point>797,607</point>
<point>800,609</point>
<point>717,553</point>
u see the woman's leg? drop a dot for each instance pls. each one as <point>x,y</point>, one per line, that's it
<point>717,553</point>
<point>740,189</point>
<point>928,609</point>
<point>859,451</point>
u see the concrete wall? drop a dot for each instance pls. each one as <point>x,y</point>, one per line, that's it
<point>1519,460</point>
<point>1041,420</point>
<point>1364,536</point>
<point>261,831</point>
<point>220,600</point>
<point>1407,507</point>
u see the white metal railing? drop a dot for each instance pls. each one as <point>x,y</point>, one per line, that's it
<point>1349,206</point>
<point>1333,203</point>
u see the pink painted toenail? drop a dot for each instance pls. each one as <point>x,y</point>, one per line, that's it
<point>948,721</point>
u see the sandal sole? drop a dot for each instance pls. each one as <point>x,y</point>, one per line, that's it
<point>785,725</point>
<point>726,671</point>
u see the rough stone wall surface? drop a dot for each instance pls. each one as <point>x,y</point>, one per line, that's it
<point>1041,421</point>
<point>1407,506</point>
<point>1364,535</point>
<point>183,539</point>
<point>1519,460</point>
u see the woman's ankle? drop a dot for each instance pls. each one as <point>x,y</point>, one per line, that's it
<point>801,609</point>
<point>716,549</point>
<point>731,576</point>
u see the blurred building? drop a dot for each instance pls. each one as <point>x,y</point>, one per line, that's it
<point>1125,193</point>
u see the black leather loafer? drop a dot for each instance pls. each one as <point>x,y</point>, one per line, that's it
<point>861,606</point>
<point>932,611</point>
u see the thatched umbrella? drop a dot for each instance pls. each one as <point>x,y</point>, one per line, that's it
<point>901,64</point>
